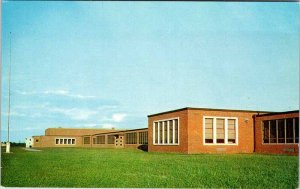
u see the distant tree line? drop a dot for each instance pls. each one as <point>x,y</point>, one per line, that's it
<point>19,144</point>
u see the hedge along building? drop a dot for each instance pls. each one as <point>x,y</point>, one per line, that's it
<point>202,130</point>
<point>277,133</point>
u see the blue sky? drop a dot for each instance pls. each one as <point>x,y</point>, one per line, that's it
<point>110,64</point>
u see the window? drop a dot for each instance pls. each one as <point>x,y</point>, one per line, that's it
<point>111,139</point>
<point>166,132</point>
<point>101,139</point>
<point>209,130</point>
<point>220,130</point>
<point>37,140</point>
<point>296,130</point>
<point>156,132</point>
<point>131,138</point>
<point>65,141</point>
<point>231,131</point>
<point>273,132</point>
<point>281,131</point>
<point>266,131</point>
<point>98,140</point>
<point>143,137</point>
<point>171,132</point>
<point>86,140</point>
<point>94,140</point>
<point>289,131</point>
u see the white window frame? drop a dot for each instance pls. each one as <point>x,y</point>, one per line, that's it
<point>64,141</point>
<point>226,131</point>
<point>285,143</point>
<point>163,125</point>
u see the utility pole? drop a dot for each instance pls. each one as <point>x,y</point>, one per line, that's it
<point>8,115</point>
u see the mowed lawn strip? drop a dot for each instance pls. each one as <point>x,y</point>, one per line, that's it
<point>129,168</point>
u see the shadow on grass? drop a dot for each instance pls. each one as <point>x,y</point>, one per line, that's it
<point>143,148</point>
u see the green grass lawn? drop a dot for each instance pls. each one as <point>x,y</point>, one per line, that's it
<point>85,167</point>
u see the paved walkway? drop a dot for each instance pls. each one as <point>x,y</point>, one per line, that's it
<point>31,149</point>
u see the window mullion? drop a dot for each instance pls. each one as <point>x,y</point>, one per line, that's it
<point>269,131</point>
<point>294,131</point>
<point>158,132</point>
<point>173,130</point>
<point>226,131</point>
<point>284,131</point>
<point>168,131</point>
<point>163,132</point>
<point>276,131</point>
<point>214,131</point>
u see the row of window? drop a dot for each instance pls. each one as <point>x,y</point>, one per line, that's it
<point>86,140</point>
<point>65,141</point>
<point>143,137</point>
<point>217,130</point>
<point>166,132</point>
<point>131,138</point>
<point>281,131</point>
<point>110,139</point>
<point>220,130</point>
<point>99,140</point>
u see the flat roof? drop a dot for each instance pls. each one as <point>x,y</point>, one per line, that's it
<point>117,131</point>
<point>208,109</point>
<point>277,113</point>
<point>81,128</point>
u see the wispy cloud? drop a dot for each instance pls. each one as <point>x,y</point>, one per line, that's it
<point>118,117</point>
<point>60,92</point>
<point>13,113</point>
<point>75,113</point>
<point>108,126</point>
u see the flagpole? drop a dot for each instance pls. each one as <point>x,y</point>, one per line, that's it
<point>9,77</point>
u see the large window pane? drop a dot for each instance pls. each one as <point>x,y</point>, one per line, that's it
<point>176,131</point>
<point>86,140</point>
<point>166,132</point>
<point>170,131</point>
<point>231,130</point>
<point>220,130</point>
<point>208,130</point>
<point>110,139</point>
<point>160,132</point>
<point>273,131</point>
<point>281,131</point>
<point>296,130</point>
<point>156,132</point>
<point>289,131</point>
<point>266,130</point>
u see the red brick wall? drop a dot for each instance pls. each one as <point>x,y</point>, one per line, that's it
<point>49,141</point>
<point>183,134</point>
<point>195,132</point>
<point>75,132</point>
<point>273,148</point>
<point>191,132</point>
